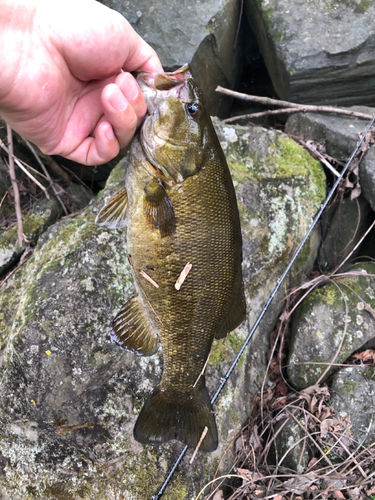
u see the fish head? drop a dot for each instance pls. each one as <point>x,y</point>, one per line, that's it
<point>174,131</point>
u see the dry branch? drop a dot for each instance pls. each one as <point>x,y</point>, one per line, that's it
<point>12,173</point>
<point>24,169</point>
<point>318,156</point>
<point>183,275</point>
<point>47,174</point>
<point>290,107</point>
<point>148,278</point>
<point>205,430</point>
<point>49,160</point>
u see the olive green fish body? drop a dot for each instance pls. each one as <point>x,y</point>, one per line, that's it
<point>190,225</point>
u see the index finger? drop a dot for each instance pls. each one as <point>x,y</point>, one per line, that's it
<point>141,56</point>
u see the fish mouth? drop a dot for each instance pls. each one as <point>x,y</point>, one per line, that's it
<point>153,83</point>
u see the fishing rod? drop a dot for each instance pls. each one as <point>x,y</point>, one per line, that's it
<point>224,379</point>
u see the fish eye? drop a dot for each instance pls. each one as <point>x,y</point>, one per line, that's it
<point>194,109</point>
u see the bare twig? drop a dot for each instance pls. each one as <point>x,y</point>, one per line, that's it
<point>17,201</point>
<point>50,161</point>
<point>199,444</point>
<point>148,278</point>
<point>47,174</point>
<point>290,107</point>
<point>203,369</point>
<point>25,256</point>
<point>317,155</point>
<point>141,287</point>
<point>3,198</point>
<point>183,275</point>
<point>238,24</point>
<point>24,169</point>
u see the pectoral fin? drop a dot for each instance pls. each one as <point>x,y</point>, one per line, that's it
<point>113,214</point>
<point>131,330</point>
<point>159,209</point>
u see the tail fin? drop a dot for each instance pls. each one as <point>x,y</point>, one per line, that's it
<point>165,417</point>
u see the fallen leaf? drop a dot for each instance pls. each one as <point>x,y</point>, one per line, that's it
<point>355,494</point>
<point>337,494</point>
<point>355,192</point>
<point>368,354</point>
<point>255,440</point>
<point>282,388</point>
<point>311,465</point>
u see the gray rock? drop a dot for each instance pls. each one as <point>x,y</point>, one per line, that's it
<point>339,134</point>
<point>199,33</point>
<point>45,213</point>
<point>353,398</point>
<point>79,195</point>
<point>72,397</point>
<point>330,324</point>
<point>292,448</point>
<point>348,222</point>
<point>317,52</point>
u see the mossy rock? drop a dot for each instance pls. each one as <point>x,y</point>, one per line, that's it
<point>330,325</point>
<point>70,397</point>
<point>45,214</point>
<point>353,399</point>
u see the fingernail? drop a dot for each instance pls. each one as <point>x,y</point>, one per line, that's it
<point>130,88</point>
<point>109,134</point>
<point>118,100</point>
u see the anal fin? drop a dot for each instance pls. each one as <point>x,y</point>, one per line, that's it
<point>235,317</point>
<point>131,330</point>
<point>113,214</point>
<point>159,209</point>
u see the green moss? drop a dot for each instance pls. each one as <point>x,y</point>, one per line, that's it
<point>142,479</point>
<point>369,373</point>
<point>267,16</point>
<point>223,350</point>
<point>330,294</point>
<point>117,175</point>
<point>365,4</point>
<point>32,226</point>
<point>219,353</point>
<point>240,171</point>
<point>32,223</point>
<point>351,4</point>
<point>350,388</point>
<point>293,161</point>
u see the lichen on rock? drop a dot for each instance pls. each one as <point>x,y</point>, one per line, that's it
<point>72,397</point>
<point>330,324</point>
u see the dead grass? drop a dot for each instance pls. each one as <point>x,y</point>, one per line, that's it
<point>339,468</point>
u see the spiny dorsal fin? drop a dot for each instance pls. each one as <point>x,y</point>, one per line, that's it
<point>113,214</point>
<point>159,209</point>
<point>131,330</point>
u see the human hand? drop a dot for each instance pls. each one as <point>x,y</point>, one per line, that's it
<point>61,84</point>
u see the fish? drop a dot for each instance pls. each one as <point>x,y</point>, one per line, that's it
<point>185,251</point>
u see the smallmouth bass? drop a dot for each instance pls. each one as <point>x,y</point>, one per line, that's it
<point>185,250</point>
